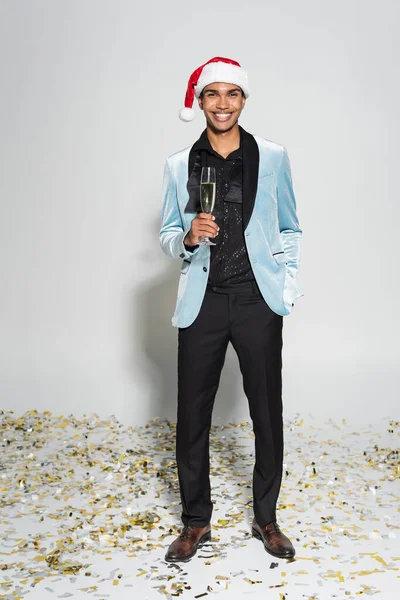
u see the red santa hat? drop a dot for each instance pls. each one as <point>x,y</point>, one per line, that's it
<point>215,70</point>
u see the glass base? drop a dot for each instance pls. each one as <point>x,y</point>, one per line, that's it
<point>205,241</point>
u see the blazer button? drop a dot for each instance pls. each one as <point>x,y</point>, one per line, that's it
<point>205,269</point>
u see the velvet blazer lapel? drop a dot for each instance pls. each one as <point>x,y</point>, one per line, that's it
<point>251,159</point>
<point>193,184</point>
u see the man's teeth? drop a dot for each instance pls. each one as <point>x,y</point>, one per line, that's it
<point>223,115</point>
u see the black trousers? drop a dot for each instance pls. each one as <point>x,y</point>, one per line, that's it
<point>241,316</point>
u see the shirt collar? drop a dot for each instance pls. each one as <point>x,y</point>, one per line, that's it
<point>203,143</point>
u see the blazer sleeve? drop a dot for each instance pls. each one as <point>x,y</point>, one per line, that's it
<point>291,233</point>
<point>172,231</point>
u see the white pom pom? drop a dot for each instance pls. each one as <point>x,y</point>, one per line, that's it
<point>187,114</point>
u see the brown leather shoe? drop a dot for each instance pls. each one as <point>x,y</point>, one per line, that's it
<point>275,542</point>
<point>185,546</point>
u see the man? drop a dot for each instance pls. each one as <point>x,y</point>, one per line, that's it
<point>236,291</point>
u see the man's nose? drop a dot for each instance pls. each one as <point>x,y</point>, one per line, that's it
<point>222,102</point>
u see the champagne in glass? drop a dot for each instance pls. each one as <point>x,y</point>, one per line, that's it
<point>207,196</point>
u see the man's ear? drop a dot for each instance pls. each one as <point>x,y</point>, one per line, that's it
<point>200,101</point>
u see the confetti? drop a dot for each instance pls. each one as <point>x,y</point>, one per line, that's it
<point>79,496</point>
<point>250,580</point>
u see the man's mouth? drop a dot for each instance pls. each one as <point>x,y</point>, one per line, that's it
<point>222,117</point>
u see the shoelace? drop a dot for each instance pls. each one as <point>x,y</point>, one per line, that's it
<point>185,532</point>
<point>276,528</point>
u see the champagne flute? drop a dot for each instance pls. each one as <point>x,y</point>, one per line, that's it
<point>208,184</point>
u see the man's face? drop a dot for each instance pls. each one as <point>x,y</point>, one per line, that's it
<point>222,104</point>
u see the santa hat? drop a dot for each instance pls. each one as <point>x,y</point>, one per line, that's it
<point>215,70</point>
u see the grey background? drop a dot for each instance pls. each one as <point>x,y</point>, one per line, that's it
<point>90,92</point>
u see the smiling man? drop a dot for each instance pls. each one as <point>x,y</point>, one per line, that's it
<point>236,291</point>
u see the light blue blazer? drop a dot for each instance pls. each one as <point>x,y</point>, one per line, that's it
<point>271,229</point>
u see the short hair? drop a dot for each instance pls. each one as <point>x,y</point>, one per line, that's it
<point>202,92</point>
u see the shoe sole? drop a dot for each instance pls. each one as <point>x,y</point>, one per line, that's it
<point>258,536</point>
<point>204,538</point>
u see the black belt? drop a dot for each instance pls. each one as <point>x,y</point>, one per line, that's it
<point>234,288</point>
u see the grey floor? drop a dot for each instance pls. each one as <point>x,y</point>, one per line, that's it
<point>89,506</point>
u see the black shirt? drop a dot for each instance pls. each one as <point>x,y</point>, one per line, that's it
<point>229,261</point>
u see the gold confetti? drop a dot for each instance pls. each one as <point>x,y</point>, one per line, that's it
<point>338,575</point>
<point>95,488</point>
<point>364,572</point>
<point>380,559</point>
<point>279,585</point>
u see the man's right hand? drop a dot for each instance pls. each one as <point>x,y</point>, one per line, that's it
<point>202,225</point>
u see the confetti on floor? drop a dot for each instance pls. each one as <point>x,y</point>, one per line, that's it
<point>89,506</point>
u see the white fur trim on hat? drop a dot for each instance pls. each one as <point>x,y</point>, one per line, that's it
<point>222,72</point>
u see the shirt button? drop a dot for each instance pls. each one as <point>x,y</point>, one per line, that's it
<point>214,289</point>
<point>205,269</point>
